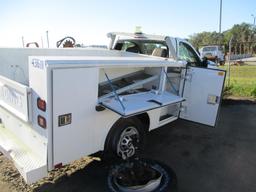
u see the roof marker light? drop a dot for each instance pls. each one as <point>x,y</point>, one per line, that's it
<point>138,30</point>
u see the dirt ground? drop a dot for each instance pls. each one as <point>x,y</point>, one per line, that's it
<point>208,159</point>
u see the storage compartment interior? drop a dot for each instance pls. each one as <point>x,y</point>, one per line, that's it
<point>136,92</point>
<point>169,111</point>
<point>136,79</point>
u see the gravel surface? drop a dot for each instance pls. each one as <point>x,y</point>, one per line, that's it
<point>11,180</point>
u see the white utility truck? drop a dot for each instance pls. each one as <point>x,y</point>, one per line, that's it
<point>58,105</point>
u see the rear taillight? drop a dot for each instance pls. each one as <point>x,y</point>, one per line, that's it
<point>58,166</point>
<point>41,121</point>
<point>41,104</point>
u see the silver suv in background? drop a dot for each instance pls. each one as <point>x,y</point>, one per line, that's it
<point>213,53</point>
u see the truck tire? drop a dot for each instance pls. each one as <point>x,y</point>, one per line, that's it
<point>126,139</point>
<point>216,60</point>
<point>168,181</point>
<point>222,63</point>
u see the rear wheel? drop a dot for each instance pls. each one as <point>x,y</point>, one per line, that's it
<point>125,140</point>
<point>222,62</point>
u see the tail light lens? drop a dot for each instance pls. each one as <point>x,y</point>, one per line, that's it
<point>58,166</point>
<point>41,121</point>
<point>41,104</point>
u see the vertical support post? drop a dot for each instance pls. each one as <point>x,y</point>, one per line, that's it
<point>42,42</point>
<point>23,43</point>
<point>229,57</point>
<point>254,17</point>
<point>162,81</point>
<point>112,40</point>
<point>220,16</point>
<point>47,37</point>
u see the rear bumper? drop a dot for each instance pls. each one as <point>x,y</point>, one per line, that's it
<point>24,146</point>
<point>30,165</point>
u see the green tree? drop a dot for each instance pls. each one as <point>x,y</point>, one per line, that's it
<point>244,38</point>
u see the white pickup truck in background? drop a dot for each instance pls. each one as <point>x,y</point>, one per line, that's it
<point>58,105</point>
<point>213,53</point>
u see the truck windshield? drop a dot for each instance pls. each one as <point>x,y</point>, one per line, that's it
<point>209,49</point>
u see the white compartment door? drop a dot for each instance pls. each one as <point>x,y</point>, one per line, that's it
<point>16,98</point>
<point>202,92</point>
<point>75,94</point>
<point>132,104</point>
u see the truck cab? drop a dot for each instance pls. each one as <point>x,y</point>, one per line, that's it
<point>160,46</point>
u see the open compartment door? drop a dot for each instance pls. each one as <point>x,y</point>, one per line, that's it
<point>128,105</point>
<point>16,98</point>
<point>202,92</point>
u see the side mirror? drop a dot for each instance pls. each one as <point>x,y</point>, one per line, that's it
<point>205,62</point>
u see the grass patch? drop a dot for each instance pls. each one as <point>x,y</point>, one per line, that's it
<point>242,81</point>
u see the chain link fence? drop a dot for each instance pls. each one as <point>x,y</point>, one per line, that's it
<point>241,77</point>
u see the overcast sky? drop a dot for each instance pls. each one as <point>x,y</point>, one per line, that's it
<point>88,21</point>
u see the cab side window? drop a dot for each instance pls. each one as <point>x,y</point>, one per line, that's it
<point>188,54</point>
<point>127,44</point>
<point>124,45</point>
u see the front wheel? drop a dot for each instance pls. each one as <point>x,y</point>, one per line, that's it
<point>216,60</point>
<point>222,63</point>
<point>126,139</point>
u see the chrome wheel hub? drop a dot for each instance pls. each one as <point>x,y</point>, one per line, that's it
<point>128,143</point>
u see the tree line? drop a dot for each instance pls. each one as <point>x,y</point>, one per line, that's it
<point>243,39</point>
